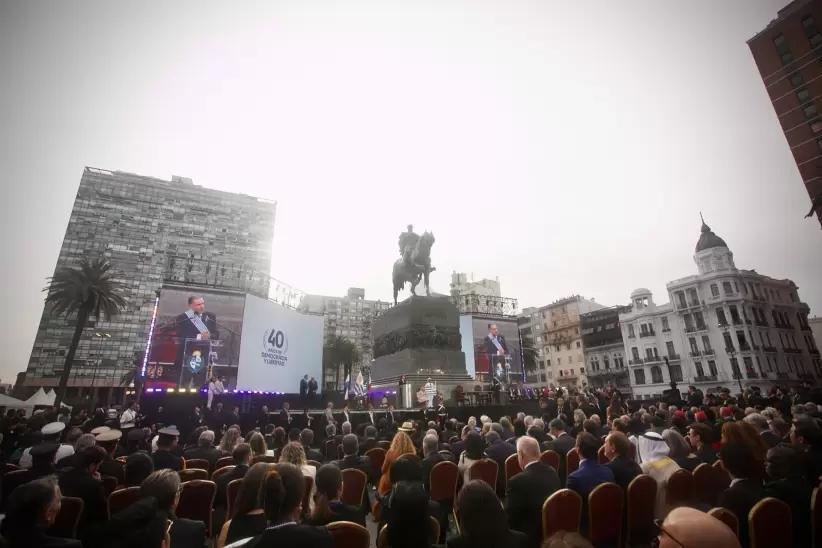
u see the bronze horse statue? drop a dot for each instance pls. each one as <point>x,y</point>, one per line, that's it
<point>420,267</point>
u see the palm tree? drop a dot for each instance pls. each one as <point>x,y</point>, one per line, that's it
<point>338,350</point>
<point>89,291</point>
<point>530,355</point>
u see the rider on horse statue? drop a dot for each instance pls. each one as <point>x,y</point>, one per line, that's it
<point>408,241</point>
<point>415,264</point>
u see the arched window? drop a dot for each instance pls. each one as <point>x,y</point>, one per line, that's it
<point>639,375</point>
<point>656,374</point>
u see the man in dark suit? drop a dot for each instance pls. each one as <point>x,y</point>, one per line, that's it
<point>164,485</point>
<point>745,489</point>
<point>700,436</point>
<point>307,441</point>
<point>242,459</point>
<point>528,490</point>
<point>163,458</point>
<point>285,416</point>
<point>303,390</point>
<point>590,473</point>
<point>458,447</point>
<point>431,457</point>
<point>351,458</point>
<point>788,484</point>
<point>625,469</point>
<point>562,444</point>
<point>83,481</point>
<point>499,451</point>
<point>494,346</point>
<point>186,323</point>
<point>761,424</point>
<point>369,441</point>
<point>205,449</point>
<point>389,416</point>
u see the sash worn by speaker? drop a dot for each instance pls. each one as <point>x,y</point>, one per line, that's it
<point>496,343</point>
<point>197,321</point>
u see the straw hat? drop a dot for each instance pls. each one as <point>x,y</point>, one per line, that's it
<point>407,427</point>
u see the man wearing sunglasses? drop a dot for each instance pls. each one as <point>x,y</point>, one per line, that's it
<point>689,528</point>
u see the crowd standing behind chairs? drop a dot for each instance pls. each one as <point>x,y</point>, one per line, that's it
<point>592,470</point>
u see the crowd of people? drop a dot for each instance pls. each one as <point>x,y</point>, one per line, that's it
<point>770,445</point>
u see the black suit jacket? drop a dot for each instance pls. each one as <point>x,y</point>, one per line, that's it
<point>770,439</point>
<point>355,461</point>
<point>76,482</point>
<point>284,419</point>
<point>739,499</point>
<point>313,454</point>
<point>211,454</point>
<point>186,328</point>
<point>303,387</point>
<point>796,493</point>
<point>187,533</point>
<point>113,468</point>
<point>292,536</point>
<point>342,512</point>
<point>499,451</point>
<point>220,499</point>
<point>40,539</point>
<point>562,445</point>
<point>624,470</point>
<point>526,493</point>
<point>163,459</point>
<point>427,464</point>
<point>707,454</point>
<point>367,444</point>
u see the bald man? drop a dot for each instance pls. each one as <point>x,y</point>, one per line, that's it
<point>528,490</point>
<point>688,527</point>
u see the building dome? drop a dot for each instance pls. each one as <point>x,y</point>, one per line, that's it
<point>708,240</point>
<point>641,292</point>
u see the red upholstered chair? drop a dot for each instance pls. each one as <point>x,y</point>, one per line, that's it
<point>727,517</point>
<point>202,464</point>
<point>231,495</point>
<point>640,512</point>
<point>122,498</point>
<point>110,483</point>
<point>354,482</point>
<point>816,517</point>
<point>309,485</point>
<point>314,463</point>
<point>377,457</point>
<point>680,489</point>
<point>562,511</point>
<point>196,501</point>
<point>486,470</point>
<point>512,468</point>
<point>602,458</point>
<point>605,514</point>
<point>443,481</point>
<point>551,458</point>
<point>349,535</point>
<point>385,445</point>
<point>708,484</point>
<point>571,462</point>
<point>9,467</point>
<point>65,524</point>
<point>223,461</point>
<point>193,474</point>
<point>769,524</point>
<point>220,471</point>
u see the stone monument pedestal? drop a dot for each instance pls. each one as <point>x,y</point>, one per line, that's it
<point>419,338</point>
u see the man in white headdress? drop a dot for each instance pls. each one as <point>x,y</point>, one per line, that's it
<point>653,450</point>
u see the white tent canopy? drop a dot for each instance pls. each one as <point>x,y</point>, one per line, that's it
<point>12,403</point>
<point>40,398</point>
<point>51,394</point>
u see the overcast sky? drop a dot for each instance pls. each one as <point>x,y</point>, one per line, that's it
<point>565,147</point>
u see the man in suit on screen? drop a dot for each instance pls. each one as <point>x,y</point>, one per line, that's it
<point>195,324</point>
<point>495,347</point>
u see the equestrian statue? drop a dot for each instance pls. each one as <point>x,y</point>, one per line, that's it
<point>415,261</point>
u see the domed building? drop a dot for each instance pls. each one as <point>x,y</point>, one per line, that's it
<point>723,327</point>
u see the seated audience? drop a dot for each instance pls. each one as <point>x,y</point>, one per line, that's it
<point>746,485</point>
<point>459,446</point>
<point>562,443</point>
<point>230,440</point>
<point>499,451</point>
<point>307,441</point>
<point>282,497</point>
<point>781,430</point>
<point>241,458</point>
<point>687,527</point>
<point>590,473</point>
<point>163,457</point>
<point>138,467</point>
<point>482,520</point>
<point>256,443</point>
<point>625,469</point>
<point>807,438</point>
<point>653,451</point>
<point>700,437</point>
<point>79,441</point>
<point>32,509</point>
<point>247,515</point>
<point>369,440</point>
<point>194,438</point>
<point>164,486</point>
<point>788,484</point>
<point>474,451</point>
<point>408,470</point>
<point>591,426</point>
<point>431,457</point>
<point>83,481</point>
<point>352,459</point>
<point>760,423</point>
<point>43,456</point>
<point>527,491</point>
<point>293,453</point>
<point>400,445</point>
<point>680,451</point>
<point>205,449</point>
<point>327,505</point>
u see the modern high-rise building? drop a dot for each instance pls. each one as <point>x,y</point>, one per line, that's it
<point>722,327</point>
<point>350,317</point>
<point>788,53</point>
<point>154,232</point>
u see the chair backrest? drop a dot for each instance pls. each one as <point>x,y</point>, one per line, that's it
<point>110,483</point>
<point>561,512</point>
<point>231,495</point>
<point>314,463</point>
<point>384,444</point>
<point>264,458</point>
<point>121,499</point>
<point>571,461</point>
<point>680,488</point>
<point>816,517</point>
<point>551,458</point>
<point>330,450</point>
<point>443,481</point>
<point>708,484</point>
<point>727,517</point>
<point>769,524</point>
<point>640,513</point>
<point>309,486</point>
<point>512,467</point>
<point>65,524</point>
<point>377,457</point>
<point>605,514</point>
<point>196,501</point>
<point>9,467</point>
<point>354,482</point>
<point>453,440</point>
<point>433,533</point>
<point>202,464</point>
<point>349,535</point>
<point>223,461</point>
<point>602,458</point>
<point>192,474</point>
<point>412,456</point>
<point>486,470</point>
<point>220,471</point>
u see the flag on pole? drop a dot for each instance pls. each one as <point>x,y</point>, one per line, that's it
<point>359,387</point>
<point>347,383</point>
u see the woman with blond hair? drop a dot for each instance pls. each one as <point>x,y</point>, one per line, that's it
<point>400,445</point>
<point>231,439</point>
<point>258,446</point>
<point>293,453</point>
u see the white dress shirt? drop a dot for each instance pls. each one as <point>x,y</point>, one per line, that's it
<point>128,418</point>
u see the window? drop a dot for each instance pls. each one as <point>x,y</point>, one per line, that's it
<point>720,316</point>
<point>676,373</point>
<point>635,353</point>
<point>579,344</point>
<point>796,79</point>
<point>639,376</point>
<point>581,370</point>
<point>810,111</point>
<point>735,368</point>
<point>631,331</point>
<point>665,326</point>
<point>656,374</point>
<point>699,371</point>
<point>729,343</point>
<point>714,290</point>
<point>802,94</point>
<point>559,361</point>
<point>779,40</point>
<point>548,363</point>
<point>712,368</point>
<point>567,346</point>
<point>816,39</point>
<point>706,343</point>
<point>786,57</point>
<point>807,21</point>
<point>539,339</point>
<point>580,358</point>
<point>550,374</point>
<point>694,347</point>
<point>726,287</point>
<point>572,371</point>
<point>669,347</point>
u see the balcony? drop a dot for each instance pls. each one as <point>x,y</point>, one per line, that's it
<point>791,351</point>
<point>769,348</point>
<point>744,347</point>
<point>631,336</point>
<point>815,352</point>
<point>708,352</point>
<point>701,327</point>
<point>652,359</point>
<point>723,324</point>
<point>690,329</point>
<point>786,376</point>
<point>760,323</point>
<point>637,361</point>
<point>805,328</point>
<point>673,357</point>
<point>705,378</point>
<point>666,329</point>
<point>644,334</point>
<point>751,374</point>
<point>730,350</point>
<point>695,353</point>
<point>694,302</point>
<point>748,322</point>
<point>736,375</point>
<point>681,305</point>
<point>736,321</point>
